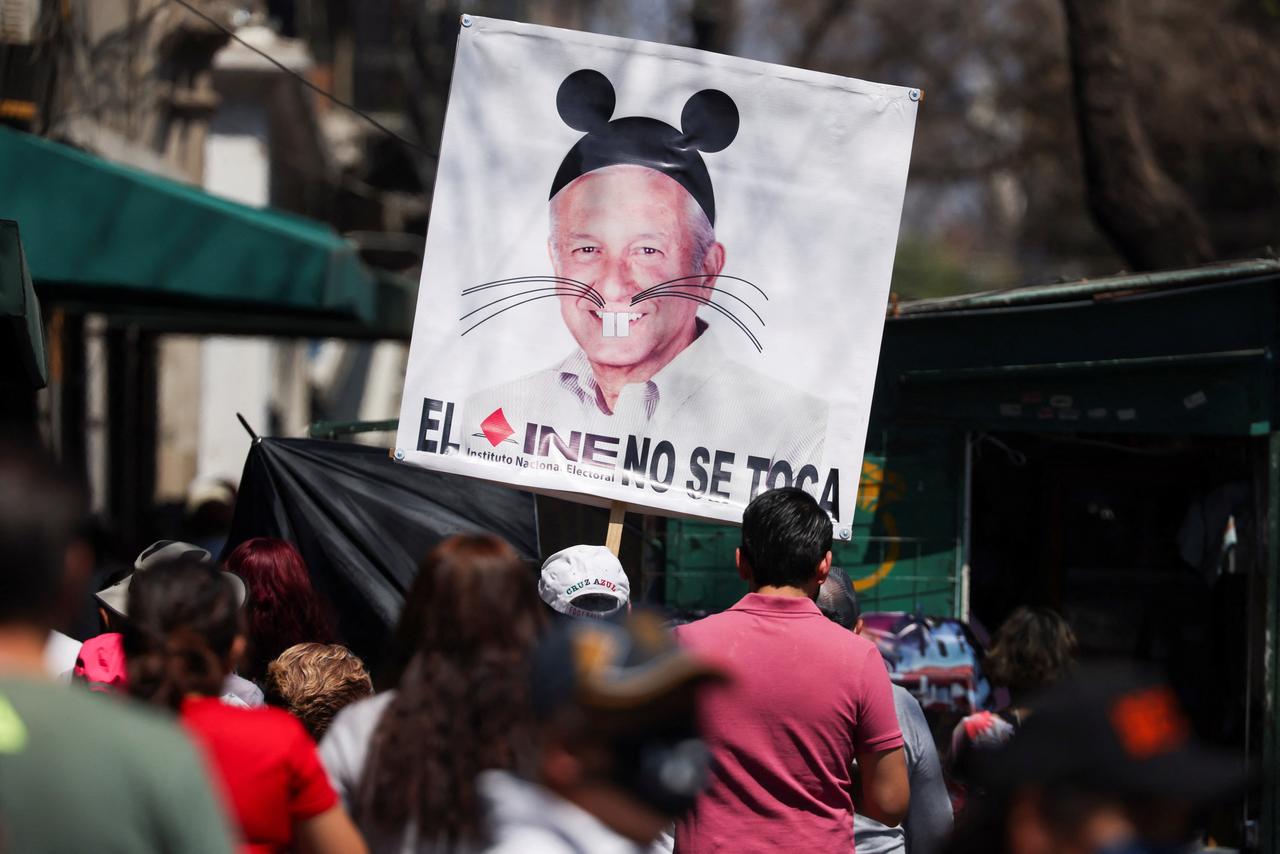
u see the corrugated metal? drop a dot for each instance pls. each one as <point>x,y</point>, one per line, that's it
<point>1088,289</point>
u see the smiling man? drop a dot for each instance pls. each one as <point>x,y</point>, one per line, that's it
<point>622,229</point>
<point>632,208</point>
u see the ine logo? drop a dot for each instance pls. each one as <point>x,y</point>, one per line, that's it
<point>496,428</point>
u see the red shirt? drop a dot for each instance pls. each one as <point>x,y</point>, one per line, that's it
<point>267,764</point>
<point>806,697</point>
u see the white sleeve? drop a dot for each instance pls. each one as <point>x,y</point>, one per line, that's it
<point>343,758</point>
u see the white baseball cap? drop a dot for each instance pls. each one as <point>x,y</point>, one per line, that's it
<point>579,571</point>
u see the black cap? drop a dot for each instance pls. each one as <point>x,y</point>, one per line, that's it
<point>1118,730</point>
<point>629,669</point>
<point>837,600</point>
<point>709,122</point>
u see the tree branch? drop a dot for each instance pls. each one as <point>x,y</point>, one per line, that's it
<point>1145,215</point>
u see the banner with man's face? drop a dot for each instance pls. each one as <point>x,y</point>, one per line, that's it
<point>654,275</point>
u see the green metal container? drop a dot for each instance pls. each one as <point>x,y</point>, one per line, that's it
<point>905,551</point>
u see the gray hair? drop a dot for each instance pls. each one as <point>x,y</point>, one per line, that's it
<point>701,231</point>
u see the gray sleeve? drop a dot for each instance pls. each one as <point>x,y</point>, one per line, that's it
<point>192,817</point>
<point>928,821</point>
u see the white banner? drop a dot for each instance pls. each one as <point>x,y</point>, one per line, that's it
<point>654,275</point>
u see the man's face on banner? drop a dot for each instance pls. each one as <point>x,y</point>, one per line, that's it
<point>621,230</point>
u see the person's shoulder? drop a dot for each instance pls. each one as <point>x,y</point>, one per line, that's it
<point>838,636</point>
<point>358,719</point>
<point>524,817</point>
<point>532,839</point>
<point>856,652</point>
<point>977,721</point>
<point>526,384</point>
<point>752,384</point>
<point>910,713</point>
<point>509,387</point>
<point>123,730</point>
<point>264,725</point>
<point>273,722</point>
<point>107,643</point>
<point>708,626</point>
<point>60,653</point>
<point>111,756</point>
<point>983,728</point>
<point>904,699</point>
<point>72,701</point>
<point>245,692</point>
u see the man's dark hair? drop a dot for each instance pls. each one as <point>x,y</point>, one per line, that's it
<point>184,617</point>
<point>41,511</point>
<point>785,535</point>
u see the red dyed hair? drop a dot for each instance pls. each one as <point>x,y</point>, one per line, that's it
<point>284,609</point>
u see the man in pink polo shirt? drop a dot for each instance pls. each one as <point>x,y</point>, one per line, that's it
<point>807,699</point>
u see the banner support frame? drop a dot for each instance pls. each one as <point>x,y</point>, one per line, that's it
<point>613,536</point>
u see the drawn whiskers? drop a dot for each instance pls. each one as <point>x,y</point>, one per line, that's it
<point>694,288</point>
<point>689,287</point>
<point>554,286</point>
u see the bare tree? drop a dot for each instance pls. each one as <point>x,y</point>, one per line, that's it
<point>1057,139</point>
<point>713,23</point>
<point>1148,217</point>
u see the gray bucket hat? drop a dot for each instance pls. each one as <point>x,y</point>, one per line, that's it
<point>116,597</point>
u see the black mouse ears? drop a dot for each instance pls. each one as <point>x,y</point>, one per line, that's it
<point>709,120</point>
<point>586,100</point>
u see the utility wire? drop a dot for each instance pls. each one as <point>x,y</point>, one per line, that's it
<point>305,82</point>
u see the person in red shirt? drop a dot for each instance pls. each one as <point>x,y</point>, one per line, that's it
<point>184,635</point>
<point>806,699</point>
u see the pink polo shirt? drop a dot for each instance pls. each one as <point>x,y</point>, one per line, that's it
<point>806,697</point>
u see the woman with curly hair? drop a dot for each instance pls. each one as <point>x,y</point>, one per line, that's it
<point>315,681</point>
<point>1033,649</point>
<point>406,761</point>
<point>284,609</point>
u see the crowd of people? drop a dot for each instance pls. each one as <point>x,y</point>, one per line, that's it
<point>538,712</point>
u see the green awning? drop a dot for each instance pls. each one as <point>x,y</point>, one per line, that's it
<point>94,227</point>
<point>22,355</point>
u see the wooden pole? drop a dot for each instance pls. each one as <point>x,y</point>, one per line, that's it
<point>613,539</point>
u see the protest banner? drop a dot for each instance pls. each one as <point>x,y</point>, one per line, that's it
<point>653,275</point>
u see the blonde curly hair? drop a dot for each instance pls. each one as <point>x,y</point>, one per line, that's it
<point>314,681</point>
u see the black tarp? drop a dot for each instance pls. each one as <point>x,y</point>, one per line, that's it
<point>364,522</point>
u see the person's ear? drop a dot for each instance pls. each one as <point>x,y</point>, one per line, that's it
<point>713,263</point>
<point>561,770</point>
<point>824,569</point>
<point>744,568</point>
<point>859,626</point>
<point>238,648</point>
